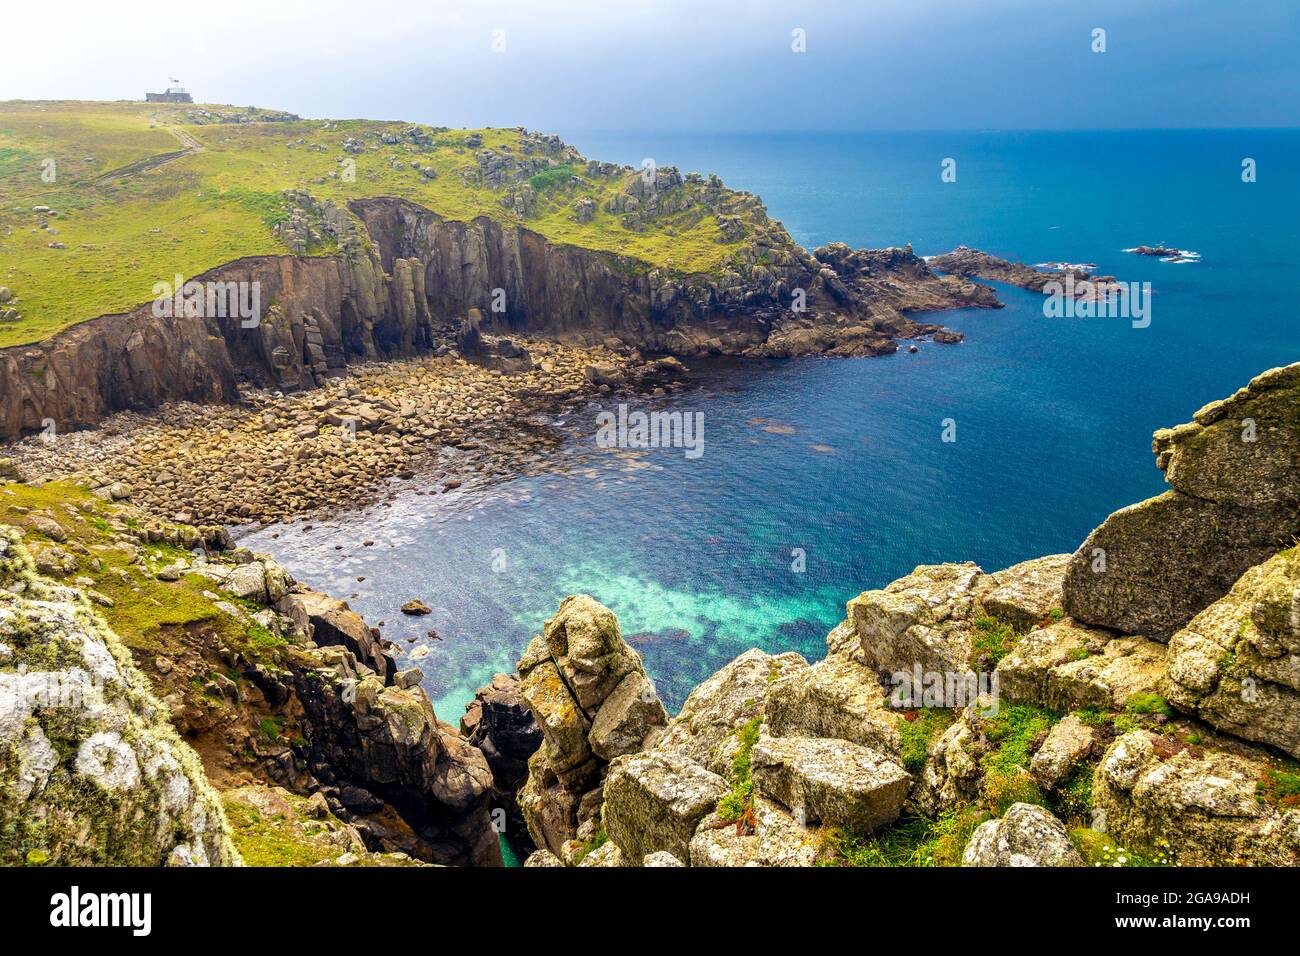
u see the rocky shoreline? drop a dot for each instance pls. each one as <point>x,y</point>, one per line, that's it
<point>273,457</point>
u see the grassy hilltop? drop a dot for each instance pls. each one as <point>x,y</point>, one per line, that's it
<point>143,192</point>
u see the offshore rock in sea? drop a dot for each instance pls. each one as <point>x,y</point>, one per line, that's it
<point>1235,501</point>
<point>589,693</point>
<point>92,771</point>
<point>1236,665</point>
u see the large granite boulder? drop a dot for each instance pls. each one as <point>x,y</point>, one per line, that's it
<point>775,838</point>
<point>833,781</point>
<point>926,618</point>
<point>1068,742</point>
<point>654,801</point>
<point>91,771</point>
<point>1026,835</point>
<point>1203,807</point>
<point>1024,594</point>
<point>1236,665</point>
<point>705,728</point>
<point>590,696</point>
<point>1068,667</point>
<point>1235,500</point>
<point>835,698</point>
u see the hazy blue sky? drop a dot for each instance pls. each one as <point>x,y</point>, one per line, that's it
<point>677,64</point>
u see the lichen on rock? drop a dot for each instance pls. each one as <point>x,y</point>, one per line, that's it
<point>91,771</point>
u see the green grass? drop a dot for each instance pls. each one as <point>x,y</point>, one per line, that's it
<point>1012,735</point>
<point>993,638</point>
<point>591,846</point>
<point>734,806</point>
<point>219,203</point>
<point>913,841</point>
<point>1098,849</point>
<point>552,177</point>
<point>147,614</point>
<point>1148,704</point>
<point>917,731</point>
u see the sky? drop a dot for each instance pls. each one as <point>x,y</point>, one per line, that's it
<point>688,65</point>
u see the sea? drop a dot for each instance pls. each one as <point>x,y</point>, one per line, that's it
<point>819,478</point>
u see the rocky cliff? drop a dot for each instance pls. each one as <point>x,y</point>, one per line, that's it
<point>402,279</point>
<point>143,664</point>
<point>1132,708</point>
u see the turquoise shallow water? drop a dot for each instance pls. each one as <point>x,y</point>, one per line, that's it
<point>1053,416</point>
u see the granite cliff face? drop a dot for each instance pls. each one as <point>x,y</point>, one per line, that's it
<point>402,280</point>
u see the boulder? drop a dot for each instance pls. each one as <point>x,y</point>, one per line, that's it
<point>1067,667</point>
<point>627,717</point>
<point>543,858</point>
<point>661,858</point>
<point>775,839</point>
<point>654,801</point>
<point>1068,742</point>
<point>926,618</point>
<point>1025,835</point>
<point>1235,500</point>
<point>704,730</point>
<point>833,698</point>
<point>1024,594</point>
<point>834,781</point>
<point>1236,665</point>
<point>1202,807</point>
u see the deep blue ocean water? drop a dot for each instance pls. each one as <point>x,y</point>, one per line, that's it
<point>1053,416</point>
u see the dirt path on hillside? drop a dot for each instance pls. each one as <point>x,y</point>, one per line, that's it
<point>190,144</point>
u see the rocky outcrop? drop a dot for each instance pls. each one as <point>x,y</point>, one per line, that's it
<point>498,722</point>
<point>1236,665</point>
<point>91,771</point>
<point>591,698</point>
<point>705,730</point>
<point>654,802</point>
<point>1026,835</point>
<point>926,618</point>
<point>375,745</point>
<point>831,780</point>
<point>1235,501</point>
<point>1068,667</point>
<point>1202,806</point>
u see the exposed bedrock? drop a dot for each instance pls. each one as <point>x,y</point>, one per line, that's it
<point>1235,501</point>
<point>404,290</point>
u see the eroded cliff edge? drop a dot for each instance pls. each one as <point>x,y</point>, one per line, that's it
<point>403,279</point>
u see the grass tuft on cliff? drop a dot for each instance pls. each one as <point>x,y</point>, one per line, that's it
<point>139,193</point>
